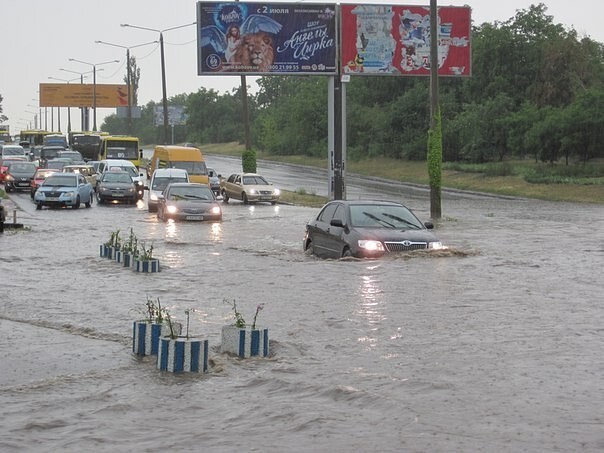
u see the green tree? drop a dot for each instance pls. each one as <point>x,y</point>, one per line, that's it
<point>2,117</point>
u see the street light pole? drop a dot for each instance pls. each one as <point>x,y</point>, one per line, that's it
<point>163,68</point>
<point>128,75</point>
<point>94,65</point>
<point>68,108</point>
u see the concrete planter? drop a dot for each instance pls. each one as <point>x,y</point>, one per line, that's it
<point>103,251</point>
<point>183,355</point>
<point>127,259</point>
<point>146,335</point>
<point>244,342</point>
<point>147,266</point>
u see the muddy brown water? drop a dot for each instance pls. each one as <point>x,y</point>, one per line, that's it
<point>493,345</point>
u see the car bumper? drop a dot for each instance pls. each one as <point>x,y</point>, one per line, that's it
<point>194,217</point>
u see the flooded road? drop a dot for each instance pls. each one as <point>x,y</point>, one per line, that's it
<point>494,345</point>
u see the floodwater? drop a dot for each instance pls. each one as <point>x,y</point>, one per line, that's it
<point>494,345</point>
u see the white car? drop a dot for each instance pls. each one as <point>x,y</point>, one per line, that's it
<point>159,180</point>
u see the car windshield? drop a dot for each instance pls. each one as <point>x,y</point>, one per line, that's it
<point>130,170</point>
<point>192,168</point>
<point>383,216</point>
<point>190,193</point>
<point>62,179</point>
<point>117,177</point>
<point>22,167</point>
<point>254,181</point>
<point>160,183</point>
<point>13,151</point>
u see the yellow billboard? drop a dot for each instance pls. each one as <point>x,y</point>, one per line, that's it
<point>82,95</point>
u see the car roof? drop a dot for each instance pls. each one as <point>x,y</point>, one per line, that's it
<point>170,172</point>
<point>366,202</point>
<point>187,184</point>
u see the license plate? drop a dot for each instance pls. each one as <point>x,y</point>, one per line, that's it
<point>194,217</point>
<point>23,184</point>
<point>52,198</point>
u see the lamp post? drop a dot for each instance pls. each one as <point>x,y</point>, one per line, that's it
<point>128,74</point>
<point>84,114</point>
<point>94,65</point>
<point>35,115</point>
<point>39,112</point>
<point>68,108</point>
<point>163,68</point>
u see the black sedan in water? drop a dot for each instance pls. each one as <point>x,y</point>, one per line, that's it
<point>117,187</point>
<point>366,229</point>
<point>19,175</point>
<point>188,201</point>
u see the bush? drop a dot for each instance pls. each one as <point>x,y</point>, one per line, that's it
<point>248,161</point>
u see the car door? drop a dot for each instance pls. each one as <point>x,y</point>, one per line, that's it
<point>320,231</point>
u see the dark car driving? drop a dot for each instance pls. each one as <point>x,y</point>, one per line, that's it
<point>116,186</point>
<point>19,175</point>
<point>366,229</point>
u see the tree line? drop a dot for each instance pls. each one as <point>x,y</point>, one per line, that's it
<point>536,91</point>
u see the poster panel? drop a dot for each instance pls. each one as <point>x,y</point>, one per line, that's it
<point>266,38</point>
<point>82,95</point>
<point>395,40</point>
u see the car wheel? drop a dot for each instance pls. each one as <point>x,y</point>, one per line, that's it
<point>38,206</point>
<point>310,248</point>
<point>77,203</point>
<point>89,202</point>
<point>244,198</point>
<point>346,253</point>
<point>225,197</point>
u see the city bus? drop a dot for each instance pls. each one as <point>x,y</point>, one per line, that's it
<point>35,137</point>
<point>120,147</point>
<point>87,143</point>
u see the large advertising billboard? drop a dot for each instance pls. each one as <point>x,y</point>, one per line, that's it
<point>395,40</point>
<point>82,95</point>
<point>266,38</point>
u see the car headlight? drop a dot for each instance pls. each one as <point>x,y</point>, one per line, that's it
<point>435,245</point>
<point>215,210</point>
<point>9,178</point>
<point>131,189</point>
<point>277,192</point>
<point>371,246</point>
<point>69,194</point>
<point>252,191</point>
<point>171,209</point>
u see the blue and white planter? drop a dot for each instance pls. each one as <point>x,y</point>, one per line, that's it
<point>127,259</point>
<point>103,251</point>
<point>245,342</point>
<point>183,355</point>
<point>146,335</point>
<point>146,266</point>
<point>118,255</point>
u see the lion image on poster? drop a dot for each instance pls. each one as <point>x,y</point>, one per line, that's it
<point>255,51</point>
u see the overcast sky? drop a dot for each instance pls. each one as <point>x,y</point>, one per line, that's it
<point>39,37</point>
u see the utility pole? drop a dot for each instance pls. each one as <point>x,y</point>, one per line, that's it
<point>435,133</point>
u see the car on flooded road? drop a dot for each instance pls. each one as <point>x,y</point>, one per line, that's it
<point>366,229</point>
<point>116,186</point>
<point>249,188</point>
<point>39,177</point>
<point>64,189</point>
<point>188,201</point>
<point>18,176</point>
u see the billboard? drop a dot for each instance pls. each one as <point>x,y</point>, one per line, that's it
<point>82,95</point>
<point>266,38</point>
<point>395,40</point>
<point>176,115</point>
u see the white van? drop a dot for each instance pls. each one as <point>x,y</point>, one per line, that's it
<point>160,179</point>
<point>124,165</point>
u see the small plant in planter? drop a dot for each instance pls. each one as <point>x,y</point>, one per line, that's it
<point>145,262</point>
<point>155,324</point>
<point>186,353</point>
<point>109,247</point>
<point>242,339</point>
<point>129,249</point>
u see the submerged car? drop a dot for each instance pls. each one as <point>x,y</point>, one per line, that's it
<point>18,175</point>
<point>367,229</point>
<point>39,177</point>
<point>64,189</point>
<point>116,186</point>
<point>188,201</point>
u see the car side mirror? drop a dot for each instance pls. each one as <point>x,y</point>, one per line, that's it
<point>429,225</point>
<point>160,197</point>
